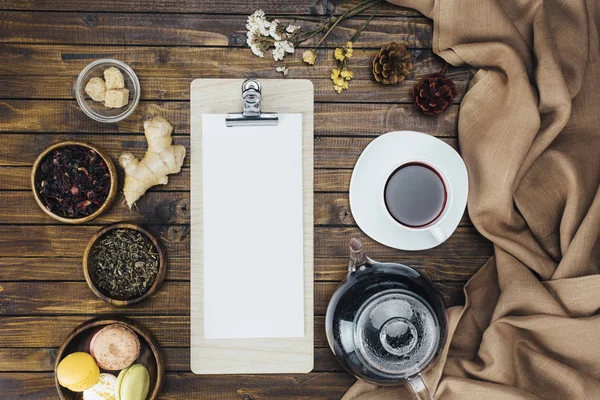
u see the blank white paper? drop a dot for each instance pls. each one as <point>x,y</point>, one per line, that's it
<point>253,234</point>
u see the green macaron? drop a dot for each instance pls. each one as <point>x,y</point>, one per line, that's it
<point>133,383</point>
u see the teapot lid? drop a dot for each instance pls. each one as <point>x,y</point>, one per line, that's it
<point>396,333</point>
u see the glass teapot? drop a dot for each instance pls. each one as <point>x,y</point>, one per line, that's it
<point>386,323</point>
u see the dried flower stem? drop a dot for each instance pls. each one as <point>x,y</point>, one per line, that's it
<point>298,17</point>
<point>364,25</point>
<point>309,34</point>
<point>365,5</point>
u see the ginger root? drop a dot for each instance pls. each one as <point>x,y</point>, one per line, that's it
<point>162,158</point>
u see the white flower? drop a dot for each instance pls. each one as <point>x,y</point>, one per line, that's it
<point>257,22</point>
<point>259,14</point>
<point>255,44</point>
<point>287,46</point>
<point>281,48</point>
<point>292,28</point>
<point>273,30</point>
<point>278,52</point>
<point>257,50</point>
<point>283,70</point>
<point>251,38</point>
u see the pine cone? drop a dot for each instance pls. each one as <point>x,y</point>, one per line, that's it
<point>434,93</point>
<point>392,64</point>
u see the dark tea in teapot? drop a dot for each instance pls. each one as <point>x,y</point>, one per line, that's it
<point>386,323</point>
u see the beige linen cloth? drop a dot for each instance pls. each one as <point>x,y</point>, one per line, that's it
<point>529,131</point>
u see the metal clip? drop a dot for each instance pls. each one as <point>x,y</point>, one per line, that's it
<point>251,115</point>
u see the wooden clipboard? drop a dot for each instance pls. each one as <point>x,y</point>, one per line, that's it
<point>250,356</point>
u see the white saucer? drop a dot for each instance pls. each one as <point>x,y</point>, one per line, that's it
<point>379,159</point>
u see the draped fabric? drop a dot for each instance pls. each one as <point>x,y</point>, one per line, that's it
<point>529,132</point>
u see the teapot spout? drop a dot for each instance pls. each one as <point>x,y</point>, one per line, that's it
<point>357,256</point>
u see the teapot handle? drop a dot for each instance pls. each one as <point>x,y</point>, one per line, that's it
<point>357,256</point>
<point>418,389</point>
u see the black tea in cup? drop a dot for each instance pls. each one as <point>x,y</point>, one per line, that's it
<point>415,195</point>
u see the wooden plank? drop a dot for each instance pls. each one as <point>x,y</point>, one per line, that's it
<point>153,207</point>
<point>56,241</point>
<point>277,7</point>
<point>50,331</point>
<point>192,30</point>
<point>64,116</point>
<point>435,268</point>
<point>327,180</point>
<point>361,90</point>
<point>465,242</point>
<point>15,178</point>
<point>27,359</point>
<point>70,269</point>
<point>18,178</point>
<point>161,208</point>
<point>177,359</point>
<point>23,149</point>
<point>173,298</point>
<point>197,62</point>
<point>438,268</point>
<point>342,152</point>
<point>314,386</point>
<point>334,209</point>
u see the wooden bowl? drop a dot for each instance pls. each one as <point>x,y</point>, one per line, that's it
<point>87,265</point>
<point>151,355</point>
<point>111,193</point>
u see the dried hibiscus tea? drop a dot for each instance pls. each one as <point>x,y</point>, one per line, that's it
<point>73,181</point>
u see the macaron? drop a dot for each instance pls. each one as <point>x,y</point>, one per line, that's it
<point>133,383</point>
<point>77,372</point>
<point>103,390</point>
<point>115,347</point>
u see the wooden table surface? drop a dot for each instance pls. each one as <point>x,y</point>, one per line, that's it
<point>44,44</point>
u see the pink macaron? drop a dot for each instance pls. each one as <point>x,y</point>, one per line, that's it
<point>115,347</point>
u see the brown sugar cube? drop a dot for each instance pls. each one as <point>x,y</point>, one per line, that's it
<point>96,89</point>
<point>116,98</point>
<point>114,79</point>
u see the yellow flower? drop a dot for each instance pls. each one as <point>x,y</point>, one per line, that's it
<point>349,50</point>
<point>339,88</point>
<point>340,81</point>
<point>335,73</point>
<point>342,53</point>
<point>347,74</point>
<point>309,57</point>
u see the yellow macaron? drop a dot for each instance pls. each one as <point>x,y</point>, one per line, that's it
<point>78,372</point>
